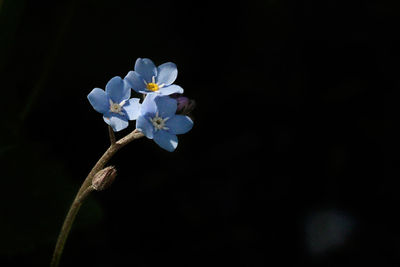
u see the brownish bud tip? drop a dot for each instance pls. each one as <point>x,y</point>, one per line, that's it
<point>104,178</point>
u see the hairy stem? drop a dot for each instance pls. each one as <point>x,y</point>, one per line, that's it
<point>111,134</point>
<point>69,219</point>
<point>85,190</point>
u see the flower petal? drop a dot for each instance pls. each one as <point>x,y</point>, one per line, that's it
<point>135,81</point>
<point>167,73</point>
<point>166,140</point>
<point>171,89</point>
<point>99,100</point>
<point>179,124</point>
<point>146,68</point>
<point>143,124</point>
<point>118,90</point>
<point>132,108</point>
<point>145,91</point>
<point>149,105</point>
<point>116,121</point>
<point>166,106</point>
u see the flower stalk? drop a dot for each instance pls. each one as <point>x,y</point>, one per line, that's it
<point>85,189</point>
<point>111,134</point>
<point>160,117</point>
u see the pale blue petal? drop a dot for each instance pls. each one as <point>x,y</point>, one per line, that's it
<point>143,124</point>
<point>148,105</point>
<point>116,121</point>
<point>166,106</point>
<point>146,68</point>
<point>99,100</point>
<point>171,89</point>
<point>167,73</point>
<point>179,124</point>
<point>118,90</point>
<point>135,81</point>
<point>145,91</point>
<point>166,140</point>
<point>132,108</point>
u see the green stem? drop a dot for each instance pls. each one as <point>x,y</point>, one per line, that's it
<point>85,190</point>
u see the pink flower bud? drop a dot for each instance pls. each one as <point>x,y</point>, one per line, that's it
<point>185,105</point>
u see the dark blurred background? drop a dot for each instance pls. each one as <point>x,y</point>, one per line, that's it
<point>292,160</point>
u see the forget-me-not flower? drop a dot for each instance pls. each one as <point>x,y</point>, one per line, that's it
<point>114,103</point>
<point>147,78</point>
<point>158,121</point>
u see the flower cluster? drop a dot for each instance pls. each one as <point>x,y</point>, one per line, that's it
<point>157,115</point>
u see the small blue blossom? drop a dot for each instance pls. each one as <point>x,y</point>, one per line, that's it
<point>114,103</point>
<point>158,121</point>
<point>147,78</point>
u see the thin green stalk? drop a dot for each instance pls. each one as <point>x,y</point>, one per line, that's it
<point>85,190</point>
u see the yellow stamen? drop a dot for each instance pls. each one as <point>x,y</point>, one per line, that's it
<point>152,87</point>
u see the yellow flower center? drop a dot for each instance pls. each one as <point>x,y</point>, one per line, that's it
<point>152,87</point>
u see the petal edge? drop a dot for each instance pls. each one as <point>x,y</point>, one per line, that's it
<point>99,100</point>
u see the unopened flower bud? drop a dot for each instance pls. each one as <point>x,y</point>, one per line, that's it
<point>104,178</point>
<point>185,105</point>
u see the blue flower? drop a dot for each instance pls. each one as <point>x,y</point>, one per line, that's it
<point>147,78</point>
<point>158,121</point>
<point>114,103</point>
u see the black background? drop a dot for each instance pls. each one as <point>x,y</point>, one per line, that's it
<point>291,124</point>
